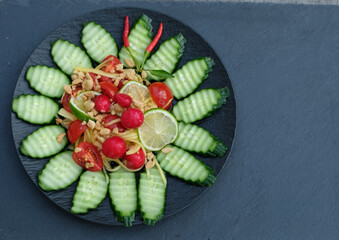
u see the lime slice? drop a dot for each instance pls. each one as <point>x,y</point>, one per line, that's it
<point>136,90</point>
<point>78,108</point>
<point>159,129</point>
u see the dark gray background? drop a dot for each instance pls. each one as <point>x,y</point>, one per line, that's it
<point>282,175</point>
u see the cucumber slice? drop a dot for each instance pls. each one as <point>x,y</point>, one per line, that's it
<point>201,104</point>
<point>66,55</point>
<point>167,57</point>
<point>60,172</point>
<point>43,142</point>
<point>98,42</point>
<point>188,78</point>
<point>151,196</point>
<point>139,38</point>
<point>36,109</point>
<point>183,165</point>
<point>47,81</point>
<point>199,140</point>
<point>123,193</point>
<point>90,192</point>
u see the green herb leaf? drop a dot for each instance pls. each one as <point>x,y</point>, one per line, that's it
<point>160,73</point>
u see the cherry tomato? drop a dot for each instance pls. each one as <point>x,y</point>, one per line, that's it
<point>102,103</point>
<point>132,118</point>
<point>108,89</point>
<point>111,64</point>
<point>75,130</point>
<point>67,97</point>
<point>120,85</point>
<point>123,100</point>
<point>109,118</point>
<point>135,160</point>
<point>161,95</point>
<point>65,102</point>
<point>75,92</point>
<point>88,157</point>
<point>105,79</point>
<point>114,147</point>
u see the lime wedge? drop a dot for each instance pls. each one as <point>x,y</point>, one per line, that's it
<point>136,90</point>
<point>159,129</point>
<point>78,109</point>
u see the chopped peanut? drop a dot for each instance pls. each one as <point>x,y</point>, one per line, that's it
<point>129,63</point>
<point>81,75</point>
<point>167,150</point>
<point>118,108</point>
<point>89,95</point>
<point>84,123</point>
<point>77,149</point>
<point>60,137</point>
<point>77,81</point>
<point>119,67</point>
<point>87,85</point>
<point>74,76</point>
<point>91,124</point>
<point>58,120</point>
<point>75,71</point>
<point>105,131</point>
<point>68,89</point>
<point>89,105</point>
<point>143,74</point>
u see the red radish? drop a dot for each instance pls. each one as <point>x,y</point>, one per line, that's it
<point>109,118</point>
<point>132,118</point>
<point>135,160</point>
<point>114,147</point>
<point>102,103</point>
<point>123,100</point>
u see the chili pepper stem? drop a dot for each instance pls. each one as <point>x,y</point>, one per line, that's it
<point>136,62</point>
<point>146,55</point>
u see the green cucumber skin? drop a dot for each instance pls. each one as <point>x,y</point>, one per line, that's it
<point>216,148</point>
<point>146,220</point>
<point>47,189</point>
<point>209,62</point>
<point>123,51</point>
<point>84,44</point>
<point>88,64</point>
<point>208,181</point>
<point>181,40</point>
<point>25,152</point>
<point>30,81</point>
<point>223,95</point>
<point>21,115</point>
<point>88,208</point>
<point>126,220</point>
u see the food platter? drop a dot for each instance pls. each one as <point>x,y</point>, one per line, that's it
<point>222,123</point>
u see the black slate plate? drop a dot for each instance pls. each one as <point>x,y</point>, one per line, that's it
<point>222,123</point>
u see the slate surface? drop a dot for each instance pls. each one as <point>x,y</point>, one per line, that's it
<point>281,178</point>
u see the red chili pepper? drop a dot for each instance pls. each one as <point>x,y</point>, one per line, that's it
<point>126,32</point>
<point>155,40</point>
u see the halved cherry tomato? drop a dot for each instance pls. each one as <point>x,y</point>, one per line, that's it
<point>132,118</point>
<point>123,100</point>
<point>109,89</point>
<point>114,147</point>
<point>109,118</point>
<point>135,160</point>
<point>67,97</point>
<point>65,102</point>
<point>88,157</point>
<point>111,64</point>
<point>161,94</point>
<point>75,130</point>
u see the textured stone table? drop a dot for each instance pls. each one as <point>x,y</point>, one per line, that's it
<point>281,181</point>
